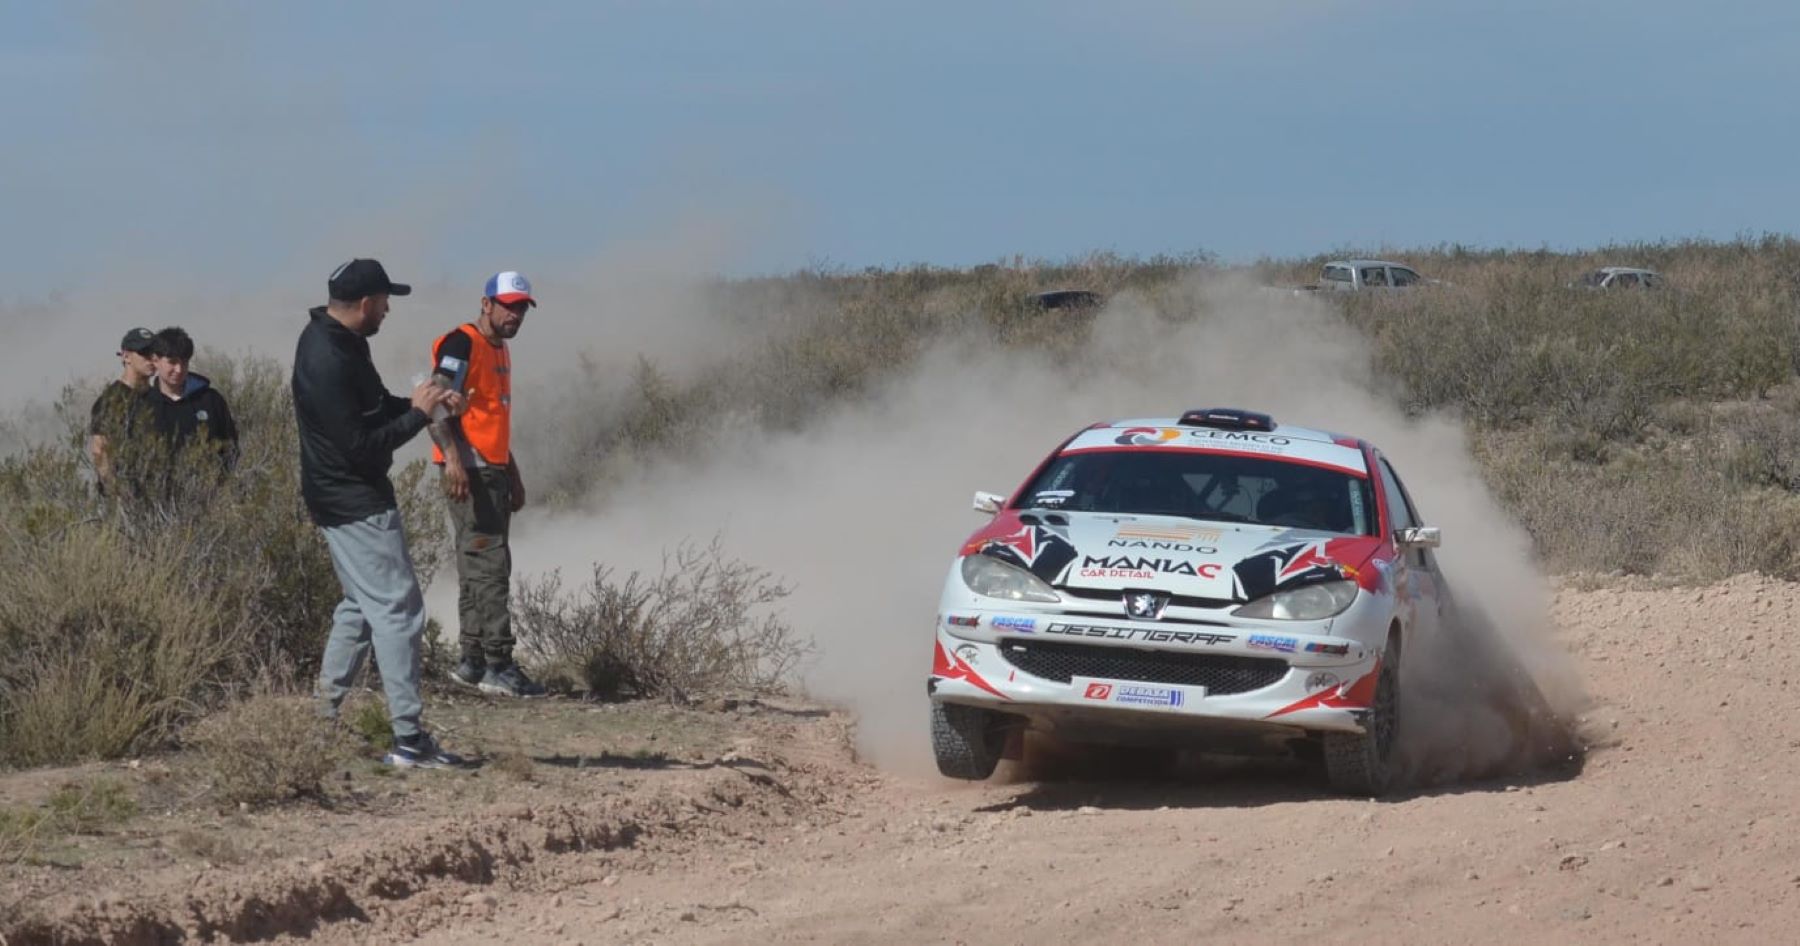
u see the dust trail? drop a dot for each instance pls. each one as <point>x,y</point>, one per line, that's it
<point>864,509</point>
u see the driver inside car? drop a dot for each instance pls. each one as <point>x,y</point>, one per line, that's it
<point>1306,503</point>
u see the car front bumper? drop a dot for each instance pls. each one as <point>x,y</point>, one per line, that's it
<point>1098,677</point>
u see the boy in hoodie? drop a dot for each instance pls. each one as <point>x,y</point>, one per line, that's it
<point>181,404</point>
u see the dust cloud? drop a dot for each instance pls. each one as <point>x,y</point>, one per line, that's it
<point>863,510</point>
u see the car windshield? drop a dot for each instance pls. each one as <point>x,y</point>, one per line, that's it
<point>1211,486</point>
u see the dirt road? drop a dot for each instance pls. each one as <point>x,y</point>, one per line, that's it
<point>1679,827</point>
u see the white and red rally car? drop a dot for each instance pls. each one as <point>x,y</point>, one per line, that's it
<point>1213,581</point>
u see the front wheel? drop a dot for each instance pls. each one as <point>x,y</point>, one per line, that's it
<point>1363,763</point>
<point>966,740</point>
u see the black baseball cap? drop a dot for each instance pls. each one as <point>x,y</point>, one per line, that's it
<point>363,277</point>
<point>137,340</point>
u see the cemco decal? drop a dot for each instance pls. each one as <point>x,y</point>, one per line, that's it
<point>1146,436</point>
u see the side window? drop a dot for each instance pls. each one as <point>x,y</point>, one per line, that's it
<point>1337,274</point>
<point>1400,510</point>
<point>1405,277</point>
<point>1400,514</point>
<point>1625,280</point>
<point>1653,281</point>
<point>1374,276</point>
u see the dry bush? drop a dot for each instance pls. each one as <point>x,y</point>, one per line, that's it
<point>695,627</point>
<point>515,764</point>
<point>107,646</point>
<point>268,749</point>
<point>131,613</point>
<point>91,806</point>
<point>85,807</point>
<point>22,834</point>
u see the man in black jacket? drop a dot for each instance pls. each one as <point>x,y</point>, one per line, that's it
<point>349,429</point>
<point>111,416</point>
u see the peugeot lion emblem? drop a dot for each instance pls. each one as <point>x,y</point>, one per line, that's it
<point>1145,604</point>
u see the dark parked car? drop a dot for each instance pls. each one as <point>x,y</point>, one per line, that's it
<point>1079,300</point>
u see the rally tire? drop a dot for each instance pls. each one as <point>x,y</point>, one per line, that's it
<point>1363,763</point>
<point>966,740</point>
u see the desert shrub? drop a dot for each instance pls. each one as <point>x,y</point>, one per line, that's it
<point>108,646</point>
<point>514,764</point>
<point>698,625</point>
<point>1673,509</point>
<point>91,806</point>
<point>368,719</point>
<point>267,749</point>
<point>81,807</point>
<point>130,613</point>
<point>21,834</point>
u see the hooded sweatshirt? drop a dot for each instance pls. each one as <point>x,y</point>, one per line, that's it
<point>199,408</point>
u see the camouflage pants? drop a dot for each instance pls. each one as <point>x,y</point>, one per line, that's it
<point>484,566</point>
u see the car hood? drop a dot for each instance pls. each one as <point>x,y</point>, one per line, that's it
<point>1222,561</point>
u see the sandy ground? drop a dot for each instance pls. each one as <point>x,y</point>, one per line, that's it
<point>1679,826</point>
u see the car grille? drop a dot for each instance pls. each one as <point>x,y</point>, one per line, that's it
<point>1179,601</point>
<point>1219,674</point>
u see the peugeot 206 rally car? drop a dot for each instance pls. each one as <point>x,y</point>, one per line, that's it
<point>1215,581</point>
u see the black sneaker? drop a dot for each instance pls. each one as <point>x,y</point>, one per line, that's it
<point>469,672</point>
<point>421,752</point>
<point>511,681</point>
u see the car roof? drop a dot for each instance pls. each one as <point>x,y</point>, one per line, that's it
<point>1615,270</point>
<point>1368,262</point>
<point>1303,445</point>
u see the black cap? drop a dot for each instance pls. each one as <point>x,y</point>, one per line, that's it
<point>137,340</point>
<point>363,277</point>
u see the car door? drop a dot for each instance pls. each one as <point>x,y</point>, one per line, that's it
<point>1401,276</point>
<point>1417,581</point>
<point>1374,277</point>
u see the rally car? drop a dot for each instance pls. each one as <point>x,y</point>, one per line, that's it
<point>1214,581</point>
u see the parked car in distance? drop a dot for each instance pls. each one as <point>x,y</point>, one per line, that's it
<point>1352,274</point>
<point>1079,300</point>
<point>1621,277</point>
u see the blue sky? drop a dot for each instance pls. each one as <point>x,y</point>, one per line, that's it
<point>262,141</point>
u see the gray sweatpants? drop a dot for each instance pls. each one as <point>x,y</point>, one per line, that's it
<point>383,608</point>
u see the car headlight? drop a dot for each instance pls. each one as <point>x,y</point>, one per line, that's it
<point>1313,602</point>
<point>987,575</point>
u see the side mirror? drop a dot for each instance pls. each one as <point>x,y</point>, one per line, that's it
<point>988,502</point>
<point>1419,537</point>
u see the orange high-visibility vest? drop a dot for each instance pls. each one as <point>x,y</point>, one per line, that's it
<point>485,378</point>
